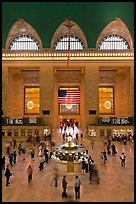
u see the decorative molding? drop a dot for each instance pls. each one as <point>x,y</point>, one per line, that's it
<point>62,56</point>
<point>116,27</point>
<point>75,30</point>
<point>21,27</point>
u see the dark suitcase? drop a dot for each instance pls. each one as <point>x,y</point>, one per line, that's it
<point>64,195</point>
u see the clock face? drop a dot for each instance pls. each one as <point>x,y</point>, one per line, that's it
<point>30,105</point>
<point>107,104</point>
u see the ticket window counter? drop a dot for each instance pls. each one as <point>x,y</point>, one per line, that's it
<point>3,133</point>
<point>108,133</point>
<point>92,132</point>
<point>36,132</point>
<point>102,133</point>
<point>15,132</point>
<point>29,135</point>
<point>22,133</point>
<point>9,133</point>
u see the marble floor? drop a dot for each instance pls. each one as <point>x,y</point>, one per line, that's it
<point>116,182</point>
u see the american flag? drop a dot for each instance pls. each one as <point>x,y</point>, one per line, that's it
<point>68,96</point>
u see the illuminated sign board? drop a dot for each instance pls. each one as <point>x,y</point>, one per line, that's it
<point>116,121</point>
<point>13,121</point>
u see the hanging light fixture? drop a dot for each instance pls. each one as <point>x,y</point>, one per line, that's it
<point>69,106</point>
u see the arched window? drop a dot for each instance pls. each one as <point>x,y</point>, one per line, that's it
<point>75,43</point>
<point>23,37</point>
<point>114,42</point>
<point>24,43</point>
<point>60,38</point>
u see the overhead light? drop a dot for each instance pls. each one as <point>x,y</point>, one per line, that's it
<point>69,106</point>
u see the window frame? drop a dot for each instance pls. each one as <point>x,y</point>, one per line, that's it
<point>73,39</point>
<point>25,87</point>
<point>29,39</point>
<point>113,108</point>
<point>113,43</point>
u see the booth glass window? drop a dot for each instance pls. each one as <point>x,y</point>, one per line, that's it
<point>9,132</point>
<point>106,100</point>
<point>23,132</point>
<point>3,132</point>
<point>32,100</point>
<point>29,133</point>
<point>15,132</point>
<point>102,132</point>
<point>36,132</point>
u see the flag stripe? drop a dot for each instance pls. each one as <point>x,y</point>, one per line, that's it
<point>69,96</point>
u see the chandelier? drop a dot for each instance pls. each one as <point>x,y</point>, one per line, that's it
<point>69,106</point>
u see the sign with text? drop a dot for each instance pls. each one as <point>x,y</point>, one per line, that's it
<point>116,121</point>
<point>13,121</point>
<point>105,121</point>
<point>122,121</point>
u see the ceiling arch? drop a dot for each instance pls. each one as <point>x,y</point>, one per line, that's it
<point>21,27</point>
<point>75,30</point>
<point>116,27</point>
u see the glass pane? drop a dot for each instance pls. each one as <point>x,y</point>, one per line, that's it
<point>114,43</point>
<point>24,43</point>
<point>32,100</point>
<point>106,100</point>
<point>62,43</point>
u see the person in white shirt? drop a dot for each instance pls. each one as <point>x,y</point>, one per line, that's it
<point>123,159</point>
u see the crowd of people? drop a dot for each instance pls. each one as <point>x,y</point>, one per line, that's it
<point>44,153</point>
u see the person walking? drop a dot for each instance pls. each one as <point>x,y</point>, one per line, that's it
<point>11,158</point>
<point>104,157</point>
<point>64,186</point>
<point>123,159</point>
<point>7,174</point>
<point>29,172</point>
<point>86,164</point>
<point>77,188</point>
<point>32,154</point>
<point>92,143</point>
<point>3,162</point>
<point>14,143</point>
<point>14,156</point>
<point>56,178</point>
<point>41,163</point>
<point>113,147</point>
<point>83,165</point>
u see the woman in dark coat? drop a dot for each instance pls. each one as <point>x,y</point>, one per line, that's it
<point>7,174</point>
